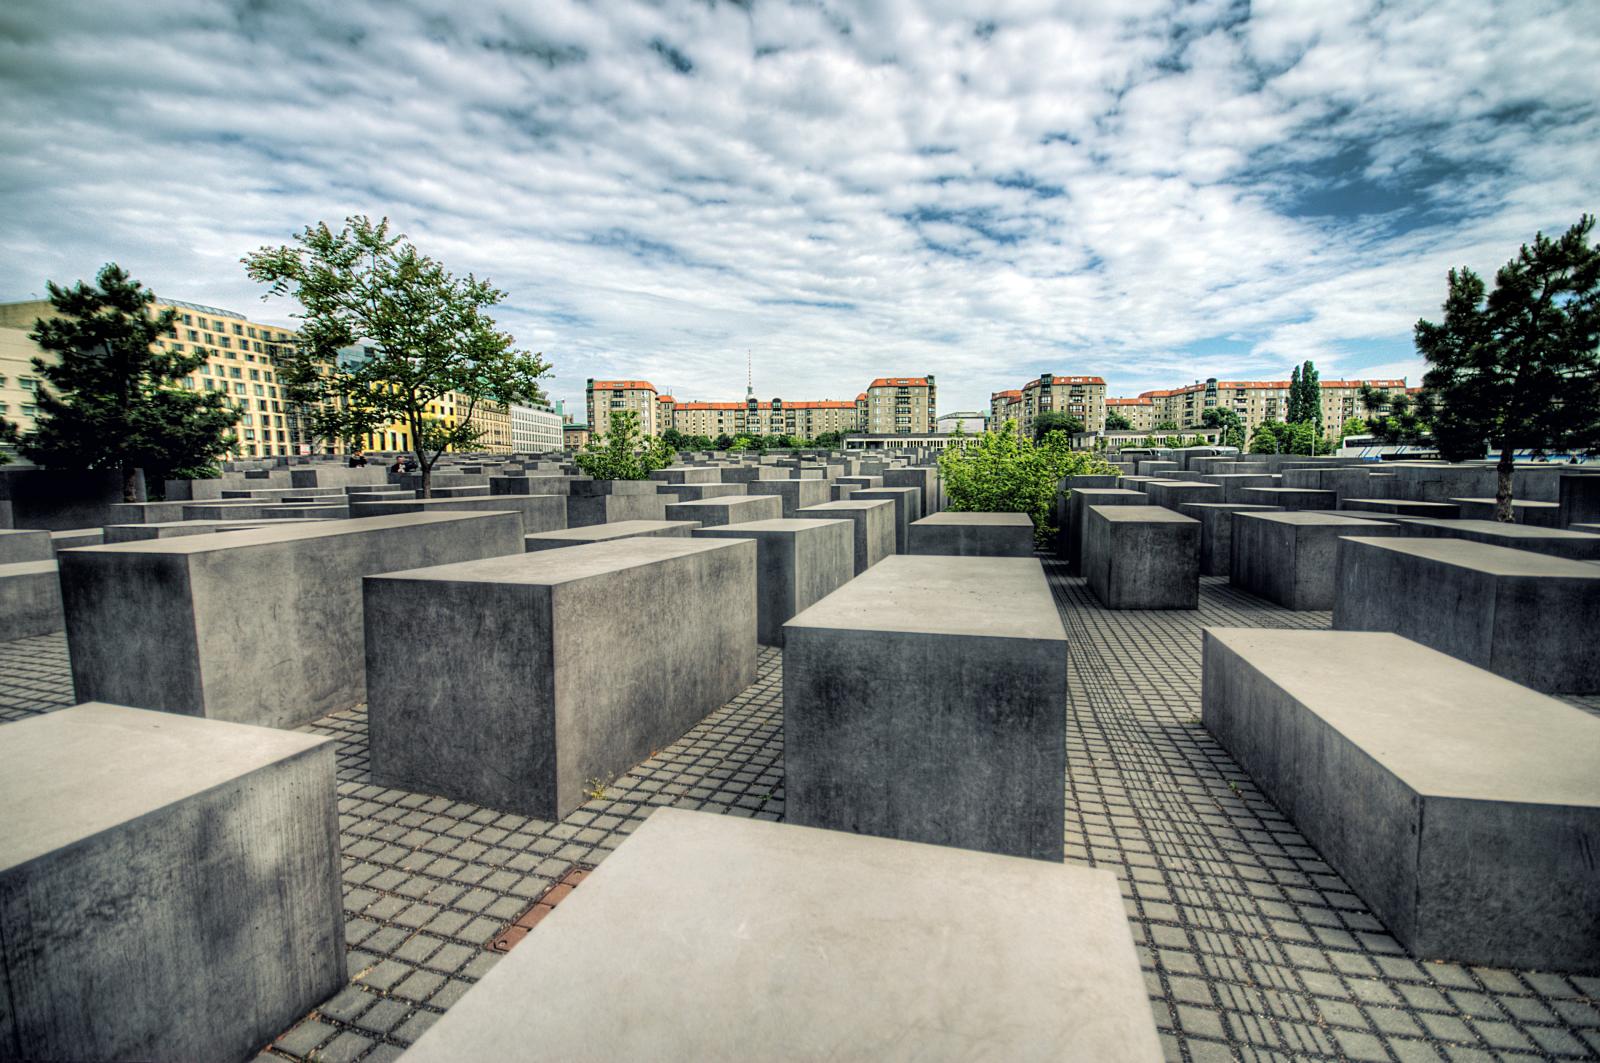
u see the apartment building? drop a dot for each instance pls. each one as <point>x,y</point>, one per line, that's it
<point>493,422</point>
<point>1254,401</point>
<point>1004,406</point>
<point>575,436</point>
<point>605,397</point>
<point>902,406</point>
<point>801,419</point>
<point>242,357</point>
<point>1083,397</point>
<point>535,429</point>
<point>1140,412</point>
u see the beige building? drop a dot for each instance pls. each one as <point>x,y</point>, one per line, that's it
<point>1083,397</point>
<point>493,421</point>
<point>1255,401</point>
<point>1140,412</point>
<point>1004,406</point>
<point>800,419</point>
<point>575,436</point>
<point>906,405</point>
<point>605,397</point>
<point>242,354</point>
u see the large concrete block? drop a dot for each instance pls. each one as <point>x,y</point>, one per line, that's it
<point>798,562</point>
<point>1291,558</point>
<point>539,513</point>
<point>812,945</point>
<point>30,599</point>
<point>1463,808</point>
<point>1399,507</point>
<point>923,477</point>
<point>1438,482</point>
<point>169,887</point>
<point>796,494</point>
<point>735,509</point>
<point>530,485</point>
<point>695,492</point>
<point>687,474</point>
<point>1216,531</point>
<point>1533,514</point>
<point>17,546</point>
<point>1142,557</point>
<point>253,626</point>
<point>613,501</point>
<point>512,682</point>
<point>1290,498</point>
<point>874,526</point>
<point>859,481</point>
<point>1578,500</point>
<point>924,700</point>
<point>144,512</point>
<point>907,509</point>
<point>973,535</point>
<point>1069,537</point>
<point>1171,494</point>
<point>1574,543</point>
<point>604,533</point>
<point>1529,617</point>
<point>1234,484</point>
<point>1152,467</point>
<point>739,474</point>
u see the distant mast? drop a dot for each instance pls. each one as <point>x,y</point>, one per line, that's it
<point>749,377</point>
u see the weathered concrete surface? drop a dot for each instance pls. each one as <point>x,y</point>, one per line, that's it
<point>1573,543</point>
<point>30,600</point>
<point>1290,498</point>
<point>687,474</point>
<point>812,945</point>
<point>907,510</point>
<point>923,477</point>
<point>796,494</point>
<point>917,657</point>
<point>696,491</point>
<point>738,509</point>
<point>144,512</point>
<point>613,501</point>
<point>1467,815</point>
<point>1578,500</point>
<point>1400,507</point>
<point>1291,558</point>
<point>1069,536</point>
<point>512,682</point>
<point>972,535</point>
<point>539,513</point>
<point>874,526</point>
<point>1216,531</point>
<point>128,533</point>
<point>1234,484</point>
<point>1533,514</point>
<point>798,562</point>
<point>1142,557</point>
<point>17,546</point>
<point>604,533</point>
<point>157,624</point>
<point>1171,495</point>
<point>1529,617</point>
<point>169,887</point>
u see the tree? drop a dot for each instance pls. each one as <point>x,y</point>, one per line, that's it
<point>829,440</point>
<point>428,333</point>
<point>1004,472</point>
<point>1353,426</point>
<point>674,439</point>
<point>1396,418</point>
<point>1167,426</point>
<point>1232,427</point>
<point>1519,369</point>
<point>117,403</point>
<point>1116,422</point>
<point>1270,437</point>
<point>1310,397</point>
<point>623,453</point>
<point>1046,423</point>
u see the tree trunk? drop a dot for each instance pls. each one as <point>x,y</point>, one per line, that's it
<point>1502,491</point>
<point>427,479</point>
<point>129,482</point>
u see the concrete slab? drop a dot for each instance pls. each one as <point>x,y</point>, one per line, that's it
<point>796,494</point>
<point>1142,557</point>
<point>30,600</point>
<point>874,526</point>
<point>604,533</point>
<point>1070,535</point>
<point>19,545</point>
<point>737,509</point>
<point>1291,558</point>
<point>972,535</point>
<point>907,510</point>
<point>798,562</point>
<point>1574,543</point>
<point>539,513</point>
<point>1216,531</point>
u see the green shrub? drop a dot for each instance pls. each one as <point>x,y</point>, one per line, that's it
<point>622,452</point>
<point>1002,472</point>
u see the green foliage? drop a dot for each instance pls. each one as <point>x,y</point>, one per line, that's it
<point>623,453</point>
<point>1275,437</point>
<point>1353,426</point>
<point>1396,418</point>
<point>1002,472</point>
<point>675,439</point>
<point>829,441</point>
<point>1519,367</point>
<point>727,442</point>
<point>1232,427</point>
<point>1046,423</point>
<point>1167,426</point>
<point>1116,422</point>
<point>1270,437</point>
<point>115,402</point>
<point>429,333</point>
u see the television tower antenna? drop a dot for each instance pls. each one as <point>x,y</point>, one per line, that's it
<point>749,375</point>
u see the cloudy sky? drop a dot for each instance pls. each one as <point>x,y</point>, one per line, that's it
<point>1151,191</point>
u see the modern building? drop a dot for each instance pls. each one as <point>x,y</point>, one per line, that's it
<point>242,357</point>
<point>605,397</point>
<point>1004,406</point>
<point>904,405</point>
<point>535,429</point>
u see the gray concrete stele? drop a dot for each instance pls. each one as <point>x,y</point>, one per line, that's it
<point>1462,807</point>
<point>30,600</point>
<point>169,887</point>
<point>1290,558</point>
<point>731,939</point>
<point>798,562</point>
<point>874,521</point>
<point>519,682</point>
<point>604,533</point>
<point>1142,557</point>
<point>972,535</point>
<point>914,659</point>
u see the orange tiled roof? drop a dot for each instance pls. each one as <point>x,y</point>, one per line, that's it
<point>1005,395</point>
<point>1129,402</point>
<point>1065,380</point>
<point>900,382</point>
<point>717,405</point>
<point>1358,383</point>
<point>861,397</point>
<point>665,398</point>
<point>822,404</point>
<point>624,385</point>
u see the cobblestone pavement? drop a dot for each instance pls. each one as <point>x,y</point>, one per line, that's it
<point>1252,947</point>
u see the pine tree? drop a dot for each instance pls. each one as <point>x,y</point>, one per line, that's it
<point>1311,397</point>
<point>1292,415</point>
<point>116,403</point>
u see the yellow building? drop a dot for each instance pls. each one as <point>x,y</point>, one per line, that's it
<point>902,406</point>
<point>1140,412</point>
<point>242,353</point>
<point>1255,401</point>
<point>605,397</point>
<point>493,421</point>
<point>575,436</point>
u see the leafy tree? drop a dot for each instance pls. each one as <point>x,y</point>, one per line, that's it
<point>1270,437</point>
<point>778,442</point>
<point>1353,426</point>
<point>1303,437</point>
<point>1117,422</point>
<point>623,453</point>
<point>1167,426</point>
<point>428,331</point>
<point>1305,396</point>
<point>1519,368</point>
<point>1004,472</point>
<point>1046,423</point>
<point>116,402</point>
<point>1232,427</point>
<point>1408,420</point>
<point>829,440</point>
<point>675,439</point>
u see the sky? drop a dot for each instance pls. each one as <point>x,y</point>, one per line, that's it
<point>1148,191</point>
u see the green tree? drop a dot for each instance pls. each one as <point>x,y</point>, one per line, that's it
<point>1046,423</point>
<point>829,440</point>
<point>675,439</point>
<point>1519,368</point>
<point>1396,418</point>
<point>1353,426</point>
<point>428,332</point>
<point>1167,426</point>
<point>1270,437</point>
<point>623,452</point>
<point>1117,422</point>
<point>1232,427</point>
<point>116,402</point>
<point>1004,472</point>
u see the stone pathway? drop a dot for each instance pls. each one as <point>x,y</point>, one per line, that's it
<point>1252,947</point>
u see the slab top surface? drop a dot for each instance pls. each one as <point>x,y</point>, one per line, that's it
<point>848,505</point>
<point>26,568</point>
<point>1114,492</point>
<point>997,597</point>
<point>954,519</point>
<point>617,530</point>
<point>1444,727</point>
<point>70,774</point>
<point>283,531</point>
<point>1485,557</point>
<point>1308,519</point>
<point>1140,515</point>
<point>729,939</point>
<point>547,567</point>
<point>721,502</point>
<point>775,526</point>
<point>1496,528</point>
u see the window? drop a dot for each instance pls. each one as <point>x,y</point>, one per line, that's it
<point>28,409</point>
<point>233,371</point>
<point>177,348</point>
<point>249,433</point>
<point>224,342</point>
<point>210,385</point>
<point>192,336</point>
<point>28,383</point>
<point>238,389</point>
<point>187,319</point>
<point>253,335</point>
<point>238,330</point>
<point>255,374</point>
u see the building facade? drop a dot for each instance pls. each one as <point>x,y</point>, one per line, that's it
<point>605,397</point>
<point>1254,401</point>
<point>1140,412</point>
<point>1083,397</point>
<point>493,422</point>
<point>902,406</point>
<point>574,436</point>
<point>1004,406</point>
<point>535,429</point>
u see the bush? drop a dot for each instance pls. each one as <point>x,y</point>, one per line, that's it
<point>622,452</point>
<point>1002,472</point>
